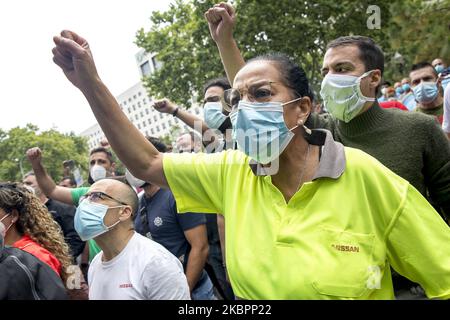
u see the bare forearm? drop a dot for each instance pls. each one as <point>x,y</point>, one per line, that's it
<point>232,59</point>
<point>137,154</point>
<point>194,268</point>
<point>45,182</point>
<point>192,121</point>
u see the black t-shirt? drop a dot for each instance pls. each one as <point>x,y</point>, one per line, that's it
<point>158,220</point>
<point>64,215</point>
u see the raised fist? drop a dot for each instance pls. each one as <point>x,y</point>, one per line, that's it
<point>73,55</point>
<point>34,155</point>
<point>221,20</point>
<point>164,106</point>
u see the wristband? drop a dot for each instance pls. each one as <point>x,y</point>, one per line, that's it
<point>175,112</point>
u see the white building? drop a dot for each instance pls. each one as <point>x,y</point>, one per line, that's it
<point>137,106</point>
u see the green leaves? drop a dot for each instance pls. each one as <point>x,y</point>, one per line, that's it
<point>417,29</point>
<point>56,148</point>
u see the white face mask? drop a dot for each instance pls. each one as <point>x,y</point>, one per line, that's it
<point>98,172</point>
<point>132,180</point>
<point>3,229</point>
<point>2,235</point>
<point>342,95</point>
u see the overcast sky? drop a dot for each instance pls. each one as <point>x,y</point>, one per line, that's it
<point>32,88</point>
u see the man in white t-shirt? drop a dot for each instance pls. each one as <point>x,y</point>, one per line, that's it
<point>129,266</point>
<point>446,121</point>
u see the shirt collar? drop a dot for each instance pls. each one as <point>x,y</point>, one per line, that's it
<point>332,160</point>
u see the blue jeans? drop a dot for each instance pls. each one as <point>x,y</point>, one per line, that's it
<point>204,288</point>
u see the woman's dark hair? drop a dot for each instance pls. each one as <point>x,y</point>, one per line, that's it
<point>35,221</point>
<point>292,74</point>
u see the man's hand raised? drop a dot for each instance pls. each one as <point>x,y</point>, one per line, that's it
<point>164,106</point>
<point>73,55</point>
<point>34,155</point>
<point>221,20</point>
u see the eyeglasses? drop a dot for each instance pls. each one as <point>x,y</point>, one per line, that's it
<point>259,92</point>
<point>94,196</point>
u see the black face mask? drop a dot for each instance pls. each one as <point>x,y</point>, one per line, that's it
<point>90,180</point>
<point>225,125</point>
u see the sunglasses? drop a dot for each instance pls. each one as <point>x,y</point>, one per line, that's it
<point>95,195</point>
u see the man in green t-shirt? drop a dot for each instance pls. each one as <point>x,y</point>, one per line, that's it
<point>101,165</point>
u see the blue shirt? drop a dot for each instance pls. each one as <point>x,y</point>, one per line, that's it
<point>409,101</point>
<point>158,220</point>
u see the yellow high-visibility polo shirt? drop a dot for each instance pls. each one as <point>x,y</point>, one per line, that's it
<point>335,239</point>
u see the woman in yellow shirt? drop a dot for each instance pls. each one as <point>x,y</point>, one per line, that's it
<point>316,221</point>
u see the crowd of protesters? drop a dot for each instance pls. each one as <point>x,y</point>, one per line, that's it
<point>279,192</point>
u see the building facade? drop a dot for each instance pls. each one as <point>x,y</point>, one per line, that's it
<point>137,105</point>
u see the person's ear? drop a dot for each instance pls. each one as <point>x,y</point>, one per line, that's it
<point>113,169</point>
<point>14,215</point>
<point>304,110</point>
<point>126,213</point>
<point>375,79</point>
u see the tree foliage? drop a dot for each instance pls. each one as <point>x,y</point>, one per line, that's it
<point>414,29</point>
<point>56,148</point>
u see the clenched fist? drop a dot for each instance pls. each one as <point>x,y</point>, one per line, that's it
<point>164,106</point>
<point>221,20</point>
<point>34,155</point>
<point>73,55</point>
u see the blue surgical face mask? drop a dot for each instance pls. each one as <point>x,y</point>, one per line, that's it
<point>89,217</point>
<point>342,95</point>
<point>399,91</point>
<point>406,87</point>
<point>439,68</point>
<point>213,115</point>
<point>426,92</point>
<point>260,130</point>
<point>233,119</point>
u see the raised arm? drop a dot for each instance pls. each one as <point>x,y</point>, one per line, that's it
<point>209,138</point>
<point>167,106</point>
<point>45,182</point>
<point>73,55</point>
<point>221,20</point>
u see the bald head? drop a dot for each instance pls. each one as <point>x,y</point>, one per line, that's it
<point>118,190</point>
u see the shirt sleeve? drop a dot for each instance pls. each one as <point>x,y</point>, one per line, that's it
<point>163,279</point>
<point>446,122</point>
<point>196,180</point>
<point>418,244</point>
<point>77,193</point>
<point>188,220</point>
